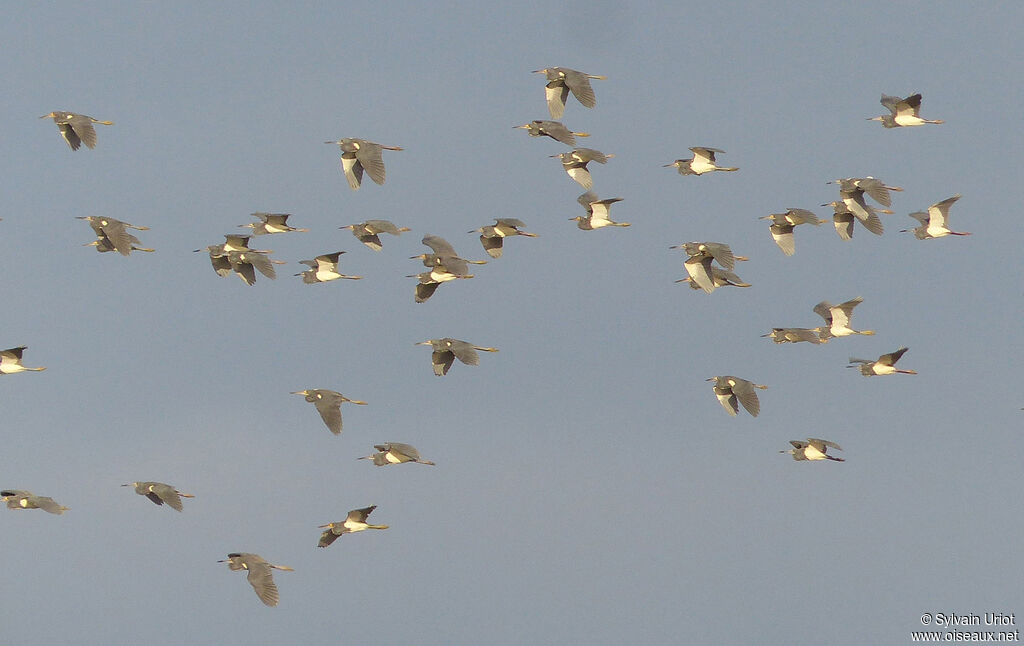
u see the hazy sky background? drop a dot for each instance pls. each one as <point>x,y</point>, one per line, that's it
<point>589,488</point>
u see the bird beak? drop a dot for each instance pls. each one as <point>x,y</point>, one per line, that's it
<point>525,125</point>
<point>422,343</point>
<point>300,392</point>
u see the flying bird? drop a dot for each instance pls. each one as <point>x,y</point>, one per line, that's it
<point>367,232</point>
<point>328,404</point>
<point>492,236</point>
<point>446,350</point>
<point>902,112</point>
<point>270,223</point>
<point>793,335</point>
<point>358,155</point>
<point>701,255</point>
<point>259,574</point>
<point>884,365</point>
<point>934,223</point>
<point>597,216</point>
<point>837,319</point>
<point>323,268</point>
<point>813,449</point>
<point>553,129</point>
<point>10,361</point>
<point>733,391</point>
<point>783,224</point>
<point>395,453</point>
<point>160,493</point>
<point>561,81</point>
<point>20,499</point>
<point>76,128</point>
<point>703,161</point>
<point>719,278</point>
<point>575,164</point>
<point>355,522</point>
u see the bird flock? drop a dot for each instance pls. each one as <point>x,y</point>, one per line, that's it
<point>708,265</point>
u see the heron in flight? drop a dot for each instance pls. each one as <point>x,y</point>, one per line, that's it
<point>358,155</point>
<point>884,365</point>
<point>367,232</point>
<point>492,236</point>
<point>160,493</point>
<point>355,522</point>
<point>902,112</point>
<point>76,128</point>
<point>323,268</point>
<point>395,453</point>
<point>783,225</point>
<point>21,499</point>
<point>328,404</point>
<point>553,129</point>
<point>259,574</point>
<point>10,361</point>
<point>575,164</point>
<point>270,223</point>
<point>837,319</point>
<point>934,223</point>
<point>813,449</point>
<point>703,161</point>
<point>446,350</point>
<point>733,391</point>
<point>561,81</point>
<point>793,335</point>
<point>597,216</point>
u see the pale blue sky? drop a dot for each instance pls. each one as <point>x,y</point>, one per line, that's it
<point>589,488</point>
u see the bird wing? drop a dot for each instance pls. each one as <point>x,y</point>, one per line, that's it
<point>824,310</point>
<point>118,235</point>
<point>844,225</point>
<point>371,157</point>
<point>328,536</point>
<point>728,402</point>
<point>555,93</point>
<point>82,127</point>
<point>699,270</point>
<point>920,216</point>
<point>262,581</point>
<point>878,191</point>
<point>465,353</point>
<point>841,313</point>
<point>69,135</point>
<point>352,169</point>
<point>558,132</point>
<point>328,404</point>
<point>261,262</point>
<point>424,291</point>
<point>891,358</point>
<point>438,245</point>
<point>383,226</point>
<point>744,391</point>
<point>873,223</point>
<point>938,213</point>
<point>587,199</point>
<point>360,515</point>
<point>722,253</point>
<point>911,104</point>
<point>891,103</point>
<point>442,361</point>
<point>579,84</point>
<point>783,236</point>
<point>168,494</point>
<point>822,444</point>
<point>492,245</point>
<point>704,155</point>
